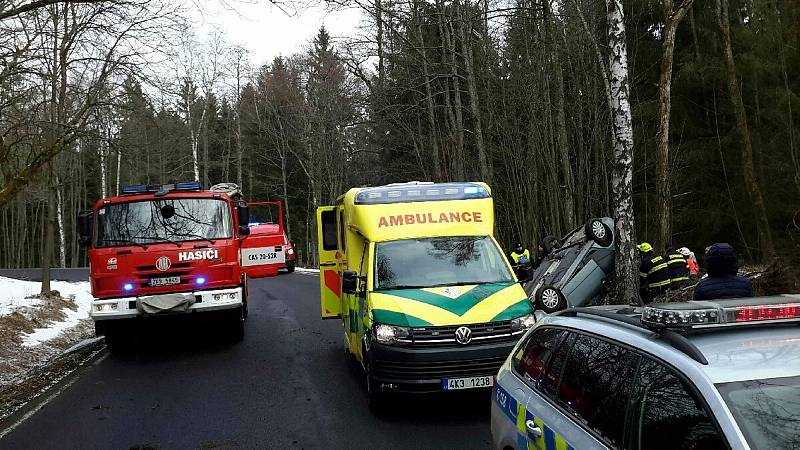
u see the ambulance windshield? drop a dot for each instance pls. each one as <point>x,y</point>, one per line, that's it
<point>167,220</point>
<point>440,261</point>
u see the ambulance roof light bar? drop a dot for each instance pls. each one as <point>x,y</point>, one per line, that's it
<point>722,313</point>
<point>162,189</point>
<point>421,192</point>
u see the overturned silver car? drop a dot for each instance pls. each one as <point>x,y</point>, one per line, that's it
<point>574,269</point>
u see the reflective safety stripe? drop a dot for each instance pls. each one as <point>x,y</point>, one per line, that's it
<point>642,274</point>
<point>679,279</point>
<point>657,268</point>
<point>519,415</point>
<point>659,284</point>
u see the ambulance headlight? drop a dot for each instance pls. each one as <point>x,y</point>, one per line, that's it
<point>389,334</point>
<point>523,323</point>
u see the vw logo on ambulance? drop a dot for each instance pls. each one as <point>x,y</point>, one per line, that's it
<point>463,335</point>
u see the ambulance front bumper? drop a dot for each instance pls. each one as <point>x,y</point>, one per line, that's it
<point>409,369</point>
<point>200,301</point>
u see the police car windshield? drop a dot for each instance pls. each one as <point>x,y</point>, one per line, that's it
<point>163,220</point>
<point>767,411</point>
<point>440,261</point>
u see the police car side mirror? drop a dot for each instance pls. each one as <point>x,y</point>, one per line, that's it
<point>349,282</point>
<point>85,218</point>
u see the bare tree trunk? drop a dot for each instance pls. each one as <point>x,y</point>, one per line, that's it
<point>663,189</point>
<point>622,140</point>
<point>474,101</point>
<point>748,165</point>
<point>62,249</point>
<point>561,123</point>
<point>437,164</point>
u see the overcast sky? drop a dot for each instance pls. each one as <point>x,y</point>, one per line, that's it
<point>267,31</point>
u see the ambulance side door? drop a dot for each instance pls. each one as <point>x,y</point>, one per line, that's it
<point>330,278</point>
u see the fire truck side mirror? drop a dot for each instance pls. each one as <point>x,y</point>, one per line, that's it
<point>244,218</point>
<point>85,227</point>
<point>349,282</point>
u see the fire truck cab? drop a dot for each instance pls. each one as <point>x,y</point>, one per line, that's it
<point>173,249</point>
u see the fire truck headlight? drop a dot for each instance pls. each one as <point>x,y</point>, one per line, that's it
<point>127,287</point>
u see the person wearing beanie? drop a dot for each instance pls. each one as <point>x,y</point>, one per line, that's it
<point>723,280</point>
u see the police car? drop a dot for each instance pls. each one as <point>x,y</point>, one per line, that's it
<point>694,375</point>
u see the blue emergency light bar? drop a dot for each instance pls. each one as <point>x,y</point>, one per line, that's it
<point>162,189</point>
<point>421,192</point>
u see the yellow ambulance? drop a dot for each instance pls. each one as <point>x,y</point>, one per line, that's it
<point>427,299</point>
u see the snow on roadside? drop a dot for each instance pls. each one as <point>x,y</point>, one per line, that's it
<point>304,270</point>
<point>13,295</point>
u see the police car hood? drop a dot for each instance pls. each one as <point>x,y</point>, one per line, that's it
<point>451,305</point>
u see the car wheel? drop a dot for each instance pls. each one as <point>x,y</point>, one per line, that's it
<point>235,324</point>
<point>550,299</point>
<point>599,232</point>
<point>375,398</point>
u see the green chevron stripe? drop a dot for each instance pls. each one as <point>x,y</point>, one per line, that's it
<point>458,305</point>
<point>396,318</point>
<point>516,310</point>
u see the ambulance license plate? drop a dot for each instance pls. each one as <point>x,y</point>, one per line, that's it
<point>165,281</point>
<point>452,384</point>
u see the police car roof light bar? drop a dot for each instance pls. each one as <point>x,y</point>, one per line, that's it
<point>675,340</point>
<point>722,313</point>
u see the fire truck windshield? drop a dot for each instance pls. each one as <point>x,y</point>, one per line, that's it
<point>163,220</point>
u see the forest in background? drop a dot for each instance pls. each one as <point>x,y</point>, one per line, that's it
<point>515,93</point>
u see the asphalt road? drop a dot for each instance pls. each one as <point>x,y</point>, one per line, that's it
<point>287,385</point>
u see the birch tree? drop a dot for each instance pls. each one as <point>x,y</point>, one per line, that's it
<point>622,141</point>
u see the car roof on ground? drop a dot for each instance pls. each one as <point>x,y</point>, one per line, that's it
<point>733,353</point>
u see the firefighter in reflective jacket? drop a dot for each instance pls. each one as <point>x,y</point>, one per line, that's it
<point>678,269</point>
<point>653,273</point>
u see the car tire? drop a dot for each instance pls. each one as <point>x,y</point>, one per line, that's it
<point>234,323</point>
<point>550,299</point>
<point>116,339</point>
<point>290,267</point>
<point>599,232</point>
<point>375,398</point>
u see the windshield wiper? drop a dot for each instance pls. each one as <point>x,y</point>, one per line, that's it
<point>401,286</point>
<point>159,238</point>
<point>210,241</point>
<point>459,283</point>
<point>125,241</point>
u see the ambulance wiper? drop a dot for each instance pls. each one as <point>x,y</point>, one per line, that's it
<point>159,238</point>
<point>459,283</point>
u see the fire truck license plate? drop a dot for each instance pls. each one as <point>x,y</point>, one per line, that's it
<point>262,255</point>
<point>451,384</point>
<point>165,281</point>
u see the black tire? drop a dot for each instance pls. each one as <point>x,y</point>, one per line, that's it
<point>234,324</point>
<point>290,267</point>
<point>116,338</point>
<point>599,232</point>
<point>550,299</point>
<point>375,398</point>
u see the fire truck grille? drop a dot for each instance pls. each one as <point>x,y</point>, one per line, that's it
<point>145,273</point>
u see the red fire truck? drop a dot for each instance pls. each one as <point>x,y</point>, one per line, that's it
<point>270,227</point>
<point>172,249</point>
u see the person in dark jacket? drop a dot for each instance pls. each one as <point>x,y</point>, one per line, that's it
<point>722,280</point>
<point>678,269</point>
<point>653,273</point>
